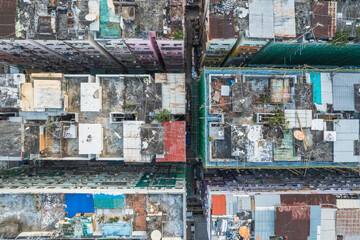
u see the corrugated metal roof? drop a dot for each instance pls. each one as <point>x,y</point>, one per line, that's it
<point>347,130</point>
<point>328,223</point>
<point>235,204</point>
<point>132,141</point>
<point>324,18</point>
<point>293,222</point>
<point>347,203</point>
<point>347,223</point>
<point>304,115</point>
<point>261,19</point>
<point>284,18</point>
<point>267,201</point>
<point>315,222</point>
<point>343,91</point>
<point>7,18</point>
<point>218,205</point>
<point>264,223</point>
<point>173,91</point>
<point>174,143</point>
<point>307,199</point>
<point>221,27</point>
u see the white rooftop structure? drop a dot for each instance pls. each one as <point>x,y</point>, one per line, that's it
<point>90,138</point>
<point>47,94</point>
<point>91,97</point>
<point>347,131</point>
<point>261,19</point>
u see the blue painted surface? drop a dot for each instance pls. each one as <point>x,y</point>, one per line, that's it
<point>116,229</point>
<point>79,203</point>
<point>315,79</point>
<point>106,201</point>
<point>315,221</point>
<point>209,117</point>
<point>264,223</point>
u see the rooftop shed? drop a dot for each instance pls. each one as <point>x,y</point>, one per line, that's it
<point>284,18</point>
<point>347,131</point>
<point>90,138</point>
<point>173,91</point>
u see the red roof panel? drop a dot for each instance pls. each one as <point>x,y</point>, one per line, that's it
<point>174,142</point>
<point>219,205</point>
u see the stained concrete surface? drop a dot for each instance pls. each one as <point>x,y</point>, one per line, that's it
<point>33,212</point>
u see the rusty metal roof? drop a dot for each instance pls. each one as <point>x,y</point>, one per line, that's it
<point>307,199</point>
<point>293,222</point>
<point>347,223</point>
<point>324,15</point>
<point>7,18</point>
<point>221,27</point>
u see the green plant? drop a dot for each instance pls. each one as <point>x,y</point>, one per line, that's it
<point>341,38</point>
<point>210,139</point>
<point>137,29</point>
<point>163,116</point>
<point>113,219</point>
<point>178,35</point>
<point>129,105</point>
<point>265,99</point>
<point>278,120</point>
<point>132,12</point>
<point>50,127</point>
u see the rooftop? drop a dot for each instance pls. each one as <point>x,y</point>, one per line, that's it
<point>107,117</point>
<point>281,19</point>
<point>117,200</point>
<point>256,200</point>
<point>67,20</point>
<point>275,118</point>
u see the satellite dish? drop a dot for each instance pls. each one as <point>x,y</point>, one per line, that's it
<point>299,135</point>
<point>156,235</point>
<point>90,17</point>
<point>244,232</point>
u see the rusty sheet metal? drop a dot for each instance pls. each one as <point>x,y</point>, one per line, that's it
<point>324,15</point>
<point>174,142</point>
<point>7,18</point>
<point>293,222</point>
<point>307,199</point>
<point>284,18</point>
<point>173,91</point>
<point>347,223</point>
<point>221,27</point>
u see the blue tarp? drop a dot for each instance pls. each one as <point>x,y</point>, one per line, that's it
<point>315,78</point>
<point>79,203</point>
<point>116,229</point>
